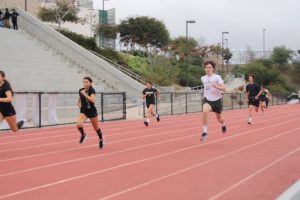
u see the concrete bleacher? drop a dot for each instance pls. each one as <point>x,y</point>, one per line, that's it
<point>31,67</point>
<point>38,58</point>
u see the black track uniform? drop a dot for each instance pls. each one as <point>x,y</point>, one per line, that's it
<point>253,90</point>
<point>88,108</point>
<point>150,98</point>
<point>6,109</point>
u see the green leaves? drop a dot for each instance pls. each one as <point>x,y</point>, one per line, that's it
<point>143,31</point>
<point>63,11</point>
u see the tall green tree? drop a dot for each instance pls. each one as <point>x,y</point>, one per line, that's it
<point>65,10</point>
<point>281,56</point>
<point>190,75</point>
<point>296,72</point>
<point>143,31</point>
<point>179,46</point>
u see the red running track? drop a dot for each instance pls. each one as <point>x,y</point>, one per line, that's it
<point>164,161</point>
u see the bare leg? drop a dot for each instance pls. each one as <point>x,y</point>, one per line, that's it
<point>82,118</point>
<point>11,120</point>
<point>95,124</point>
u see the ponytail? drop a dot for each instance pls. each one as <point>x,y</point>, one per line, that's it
<point>6,81</point>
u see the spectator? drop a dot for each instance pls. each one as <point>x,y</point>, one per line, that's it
<point>1,22</point>
<point>14,16</point>
<point>5,18</point>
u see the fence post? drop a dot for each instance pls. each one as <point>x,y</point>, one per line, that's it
<point>186,103</point>
<point>124,106</point>
<point>144,114</point>
<point>171,103</point>
<point>156,103</point>
<point>240,102</point>
<point>102,106</point>
<point>231,101</point>
<point>40,109</point>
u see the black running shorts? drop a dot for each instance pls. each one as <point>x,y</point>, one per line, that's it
<point>90,113</point>
<point>252,101</point>
<point>7,110</point>
<point>216,106</point>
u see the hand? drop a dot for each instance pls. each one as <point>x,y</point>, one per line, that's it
<point>83,92</point>
<point>256,97</point>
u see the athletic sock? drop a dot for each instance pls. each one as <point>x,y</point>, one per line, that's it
<point>205,129</point>
<point>81,130</point>
<point>99,133</point>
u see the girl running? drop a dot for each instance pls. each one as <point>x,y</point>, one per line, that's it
<point>86,103</point>
<point>149,94</point>
<point>7,110</point>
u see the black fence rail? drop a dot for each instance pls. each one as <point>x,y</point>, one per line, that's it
<point>191,102</point>
<point>58,108</point>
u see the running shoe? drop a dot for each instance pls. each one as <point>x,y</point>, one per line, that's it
<point>82,138</point>
<point>224,129</point>
<point>146,123</point>
<point>203,136</point>
<point>101,143</point>
<point>20,123</point>
<point>157,118</point>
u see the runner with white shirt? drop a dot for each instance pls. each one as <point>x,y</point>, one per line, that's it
<point>213,85</point>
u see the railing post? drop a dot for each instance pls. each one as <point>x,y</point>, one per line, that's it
<point>231,101</point>
<point>102,107</point>
<point>156,103</point>
<point>240,102</point>
<point>171,103</point>
<point>186,103</point>
<point>144,107</point>
<point>40,109</point>
<point>124,106</point>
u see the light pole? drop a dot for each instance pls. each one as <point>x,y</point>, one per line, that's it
<point>91,21</point>
<point>226,46</point>
<point>264,30</point>
<point>186,37</point>
<point>223,33</point>
<point>25,5</point>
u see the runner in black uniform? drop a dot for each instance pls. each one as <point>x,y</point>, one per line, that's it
<point>149,94</point>
<point>253,91</point>
<point>7,110</point>
<point>86,103</point>
<point>263,99</point>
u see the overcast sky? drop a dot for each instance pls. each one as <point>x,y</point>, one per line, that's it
<point>244,19</point>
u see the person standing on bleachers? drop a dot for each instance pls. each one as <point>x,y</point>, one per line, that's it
<point>5,18</point>
<point>14,19</point>
<point>1,22</point>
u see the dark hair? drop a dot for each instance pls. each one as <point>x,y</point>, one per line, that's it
<point>88,78</point>
<point>210,62</point>
<point>251,76</point>
<point>149,82</point>
<point>6,81</point>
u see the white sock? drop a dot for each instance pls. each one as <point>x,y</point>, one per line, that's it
<point>224,124</point>
<point>249,119</point>
<point>205,129</point>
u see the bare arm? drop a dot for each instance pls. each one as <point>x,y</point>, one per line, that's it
<point>260,92</point>
<point>220,87</point>
<point>79,102</point>
<point>8,98</point>
<point>91,98</point>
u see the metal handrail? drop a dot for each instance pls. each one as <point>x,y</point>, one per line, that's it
<point>125,70</point>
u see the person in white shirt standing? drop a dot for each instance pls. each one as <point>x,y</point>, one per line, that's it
<point>212,92</point>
